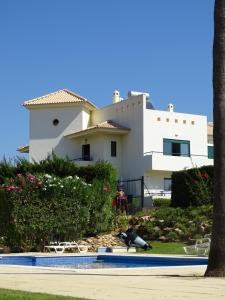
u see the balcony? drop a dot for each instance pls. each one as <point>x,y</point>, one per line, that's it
<point>159,162</point>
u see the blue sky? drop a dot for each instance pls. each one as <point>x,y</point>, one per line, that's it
<point>93,47</point>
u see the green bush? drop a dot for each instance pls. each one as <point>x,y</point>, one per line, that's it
<point>172,236</point>
<point>159,202</point>
<point>7,170</point>
<point>60,167</point>
<point>35,209</point>
<point>174,223</point>
<point>193,187</point>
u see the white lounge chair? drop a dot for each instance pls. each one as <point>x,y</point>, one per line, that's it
<point>66,246</point>
<point>201,247</point>
<point>55,248</point>
<point>74,246</point>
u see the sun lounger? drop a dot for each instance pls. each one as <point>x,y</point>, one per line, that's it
<point>201,247</point>
<point>72,246</point>
<point>66,246</point>
<point>54,248</point>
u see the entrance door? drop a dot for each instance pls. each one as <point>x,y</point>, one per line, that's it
<point>86,152</point>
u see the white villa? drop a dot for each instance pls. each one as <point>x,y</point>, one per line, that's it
<point>130,134</point>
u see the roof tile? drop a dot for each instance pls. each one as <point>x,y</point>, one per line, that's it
<point>58,97</point>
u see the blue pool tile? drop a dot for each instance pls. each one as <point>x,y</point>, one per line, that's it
<point>101,261</point>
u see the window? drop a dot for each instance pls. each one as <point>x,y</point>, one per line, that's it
<point>176,147</point>
<point>113,148</point>
<point>86,152</point>
<point>210,152</point>
<point>55,122</point>
<point>167,184</point>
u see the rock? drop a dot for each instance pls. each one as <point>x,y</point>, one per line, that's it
<point>145,218</point>
<point>167,229</point>
<point>107,240</point>
<point>156,228</point>
<point>162,238</point>
<point>178,230</point>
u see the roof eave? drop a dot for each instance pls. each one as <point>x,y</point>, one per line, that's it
<point>50,105</point>
<point>23,149</point>
<point>93,131</point>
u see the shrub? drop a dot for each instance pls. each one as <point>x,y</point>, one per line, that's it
<point>37,209</point>
<point>175,223</point>
<point>7,170</point>
<point>193,187</point>
<point>172,236</point>
<point>60,167</point>
<point>159,202</point>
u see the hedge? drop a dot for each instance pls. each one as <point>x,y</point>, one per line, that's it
<point>192,187</point>
<point>38,208</point>
<point>57,166</point>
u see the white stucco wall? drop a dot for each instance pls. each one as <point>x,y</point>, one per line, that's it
<point>100,149</point>
<point>45,137</point>
<point>178,126</point>
<point>154,181</point>
<point>127,113</point>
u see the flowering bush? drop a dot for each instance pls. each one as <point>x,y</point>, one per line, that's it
<point>192,187</point>
<point>39,208</point>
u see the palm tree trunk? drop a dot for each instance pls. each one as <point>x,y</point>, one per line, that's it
<point>216,264</point>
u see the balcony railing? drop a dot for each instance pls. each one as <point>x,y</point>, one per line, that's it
<point>157,160</point>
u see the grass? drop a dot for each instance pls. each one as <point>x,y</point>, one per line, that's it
<point>166,248</point>
<point>20,295</point>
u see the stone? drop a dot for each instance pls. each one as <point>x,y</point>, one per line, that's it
<point>178,230</point>
<point>162,238</point>
<point>156,228</point>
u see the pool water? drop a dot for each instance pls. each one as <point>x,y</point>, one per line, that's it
<point>100,261</point>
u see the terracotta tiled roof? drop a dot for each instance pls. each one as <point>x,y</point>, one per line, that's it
<point>107,125</point>
<point>23,149</point>
<point>59,97</point>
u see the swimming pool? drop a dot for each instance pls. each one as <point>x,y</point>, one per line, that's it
<point>100,261</point>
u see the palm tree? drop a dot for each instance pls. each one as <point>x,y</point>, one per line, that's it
<point>216,265</point>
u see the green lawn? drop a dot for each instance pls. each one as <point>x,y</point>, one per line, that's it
<point>19,295</point>
<point>166,248</point>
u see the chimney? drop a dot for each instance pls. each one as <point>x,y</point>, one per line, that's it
<point>170,107</point>
<point>116,96</point>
